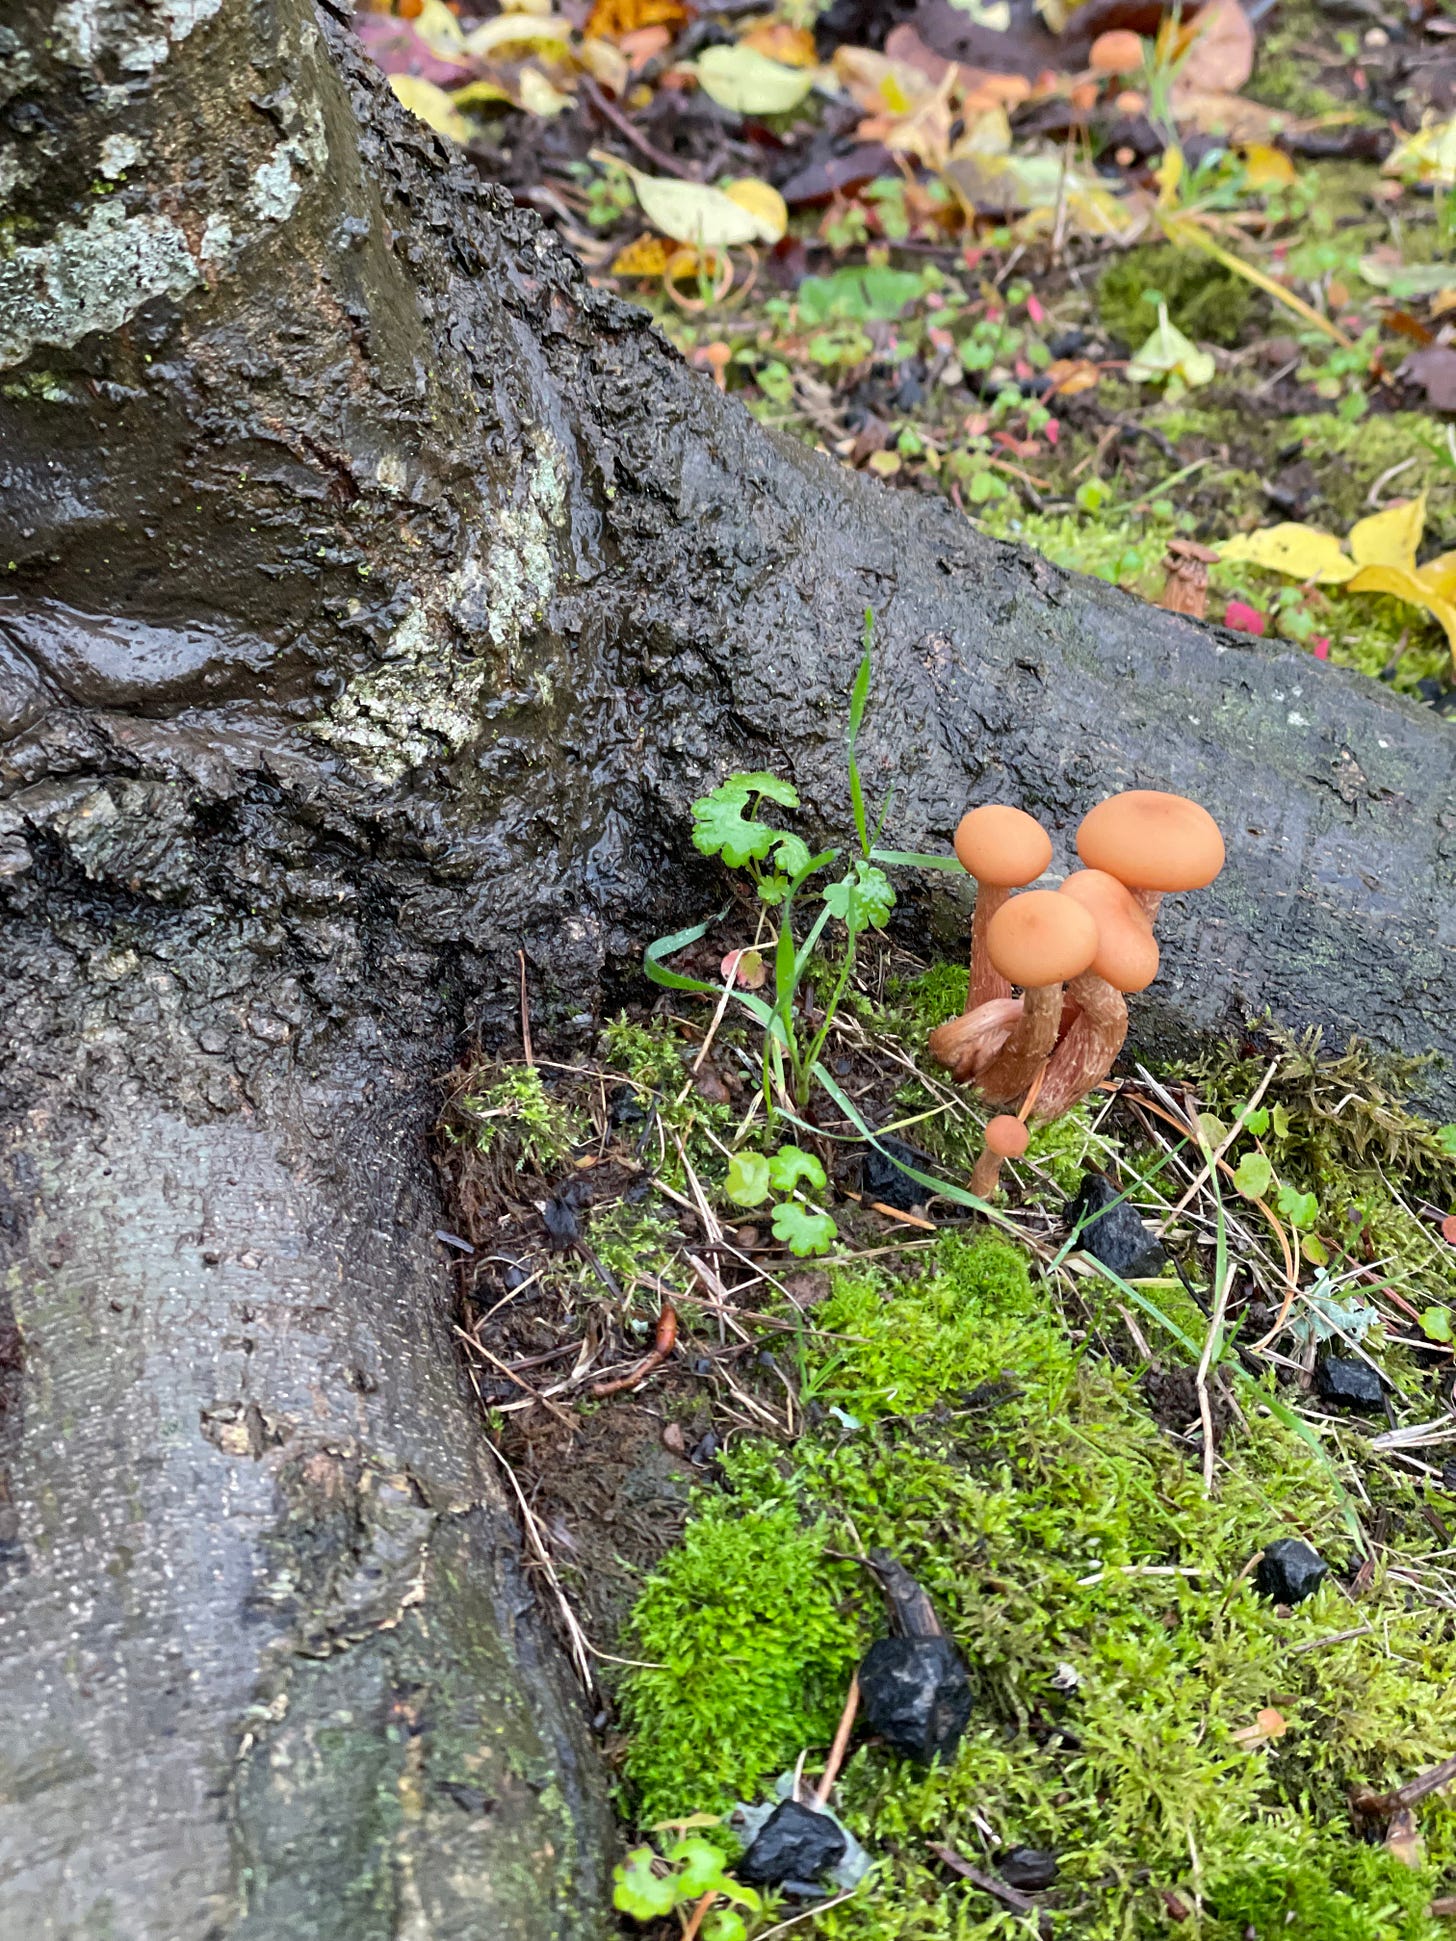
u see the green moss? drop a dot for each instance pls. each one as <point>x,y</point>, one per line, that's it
<point>751,1646</point>
<point>1104,1603</point>
<point>1207,302</point>
<point>512,1119</point>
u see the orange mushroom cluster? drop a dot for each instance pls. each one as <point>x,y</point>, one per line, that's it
<point>1076,952</point>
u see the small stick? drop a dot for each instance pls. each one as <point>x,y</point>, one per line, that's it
<point>525,1012</point>
<point>1205,1409</point>
<point>1011,1897</point>
<point>1035,1092</point>
<point>664,1341</point>
<point>841,1741</point>
<point>698,1914</point>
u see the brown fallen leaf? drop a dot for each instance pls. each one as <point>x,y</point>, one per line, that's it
<point>1068,376</point>
<point>612,19</point>
<point>1434,369</point>
<point>1220,57</point>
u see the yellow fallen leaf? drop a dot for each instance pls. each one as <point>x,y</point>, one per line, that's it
<point>1440,573</point>
<point>614,19</point>
<point>538,96</point>
<point>1266,167</point>
<point>691,212</point>
<point>605,62</point>
<point>441,32</point>
<point>1413,587</point>
<point>480,93</point>
<point>761,199</point>
<point>1390,537</point>
<point>749,83</point>
<point>643,256</point>
<point>431,105</point>
<point>885,463</point>
<point>1303,552</point>
<point>1429,156</point>
<point>506,29</point>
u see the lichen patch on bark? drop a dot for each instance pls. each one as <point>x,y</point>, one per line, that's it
<point>90,276</point>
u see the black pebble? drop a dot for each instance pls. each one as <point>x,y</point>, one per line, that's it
<point>881,1180</point>
<point>1350,1383</point>
<point>1289,1571</point>
<point>1117,1237</point>
<point>1029,1868</point>
<point>916,1694</point>
<point>794,1843</point>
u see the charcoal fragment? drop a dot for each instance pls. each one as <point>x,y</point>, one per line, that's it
<point>1032,1869</point>
<point>1116,1236</point>
<point>1348,1382</point>
<point>794,1844</point>
<point>1289,1571</point>
<point>916,1694</point>
<point>883,1180</point>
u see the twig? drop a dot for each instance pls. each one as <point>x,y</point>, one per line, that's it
<point>1335,1637</point>
<point>525,1012</point>
<point>536,1545</point>
<point>841,1741</point>
<point>808,1914</point>
<point>511,1376</point>
<point>663,1343</point>
<point>624,128</point>
<point>1011,1897</point>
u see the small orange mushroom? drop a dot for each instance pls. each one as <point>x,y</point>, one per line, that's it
<point>1006,1138</point>
<point>1038,940</point>
<point>1004,849</point>
<point>1126,960</point>
<point>1153,843</point>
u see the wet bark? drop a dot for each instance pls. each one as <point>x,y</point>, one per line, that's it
<point>376,598</point>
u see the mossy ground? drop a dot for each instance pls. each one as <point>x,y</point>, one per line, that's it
<point>997,1426</point>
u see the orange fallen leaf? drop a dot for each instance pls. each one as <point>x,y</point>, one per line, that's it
<point>794,46</point>
<point>614,19</point>
<point>1070,375</point>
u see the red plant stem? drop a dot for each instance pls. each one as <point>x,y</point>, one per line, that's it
<point>986,981</point>
<point>698,1912</point>
<point>841,1741</point>
<point>1150,900</point>
<point>663,1343</point>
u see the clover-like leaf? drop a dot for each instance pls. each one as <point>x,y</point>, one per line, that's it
<point>863,899</point>
<point>724,1925</point>
<point>758,781</point>
<point>720,828</point>
<point>1255,1119</point>
<point>1436,1321</point>
<point>748,1180</point>
<point>792,855</point>
<point>1253,1176</point>
<point>638,1891</point>
<point>701,1865</point>
<point>804,1232</point>
<point>1446,1139</point>
<point>1301,1208</point>
<point>789,1165</point>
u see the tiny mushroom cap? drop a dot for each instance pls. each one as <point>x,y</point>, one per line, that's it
<point>1001,845</point>
<point>1042,938</point>
<point>1152,841</point>
<point>1006,1136</point>
<point>1127,950</point>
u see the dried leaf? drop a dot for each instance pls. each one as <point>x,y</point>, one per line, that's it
<point>1434,369</point>
<point>1390,537</point>
<point>1403,1839</point>
<point>643,256</point>
<point>432,105</point>
<point>538,96</point>
<point>740,78</point>
<point>794,46</point>
<point>1220,55</point>
<point>605,62</point>
<point>1429,156</point>
<point>525,30</point>
<point>691,212</point>
<point>760,199</point>
<point>1267,168</point>
<point>1303,552</point>
<point>614,19</point>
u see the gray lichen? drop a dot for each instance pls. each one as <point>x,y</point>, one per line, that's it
<point>89,276</point>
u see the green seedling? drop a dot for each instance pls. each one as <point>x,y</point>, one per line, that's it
<point>649,1888</point>
<point>805,1229</point>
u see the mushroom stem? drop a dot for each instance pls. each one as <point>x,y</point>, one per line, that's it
<point>965,1045</point>
<point>1085,1055</point>
<point>1149,900</point>
<point>1009,1075</point>
<point>986,1174</point>
<point>986,982</point>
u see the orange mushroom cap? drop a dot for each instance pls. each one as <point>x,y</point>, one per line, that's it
<point>1152,841</point>
<point>1041,938</point>
<point>1006,1136</point>
<point>1003,846</point>
<point>1127,950</point>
